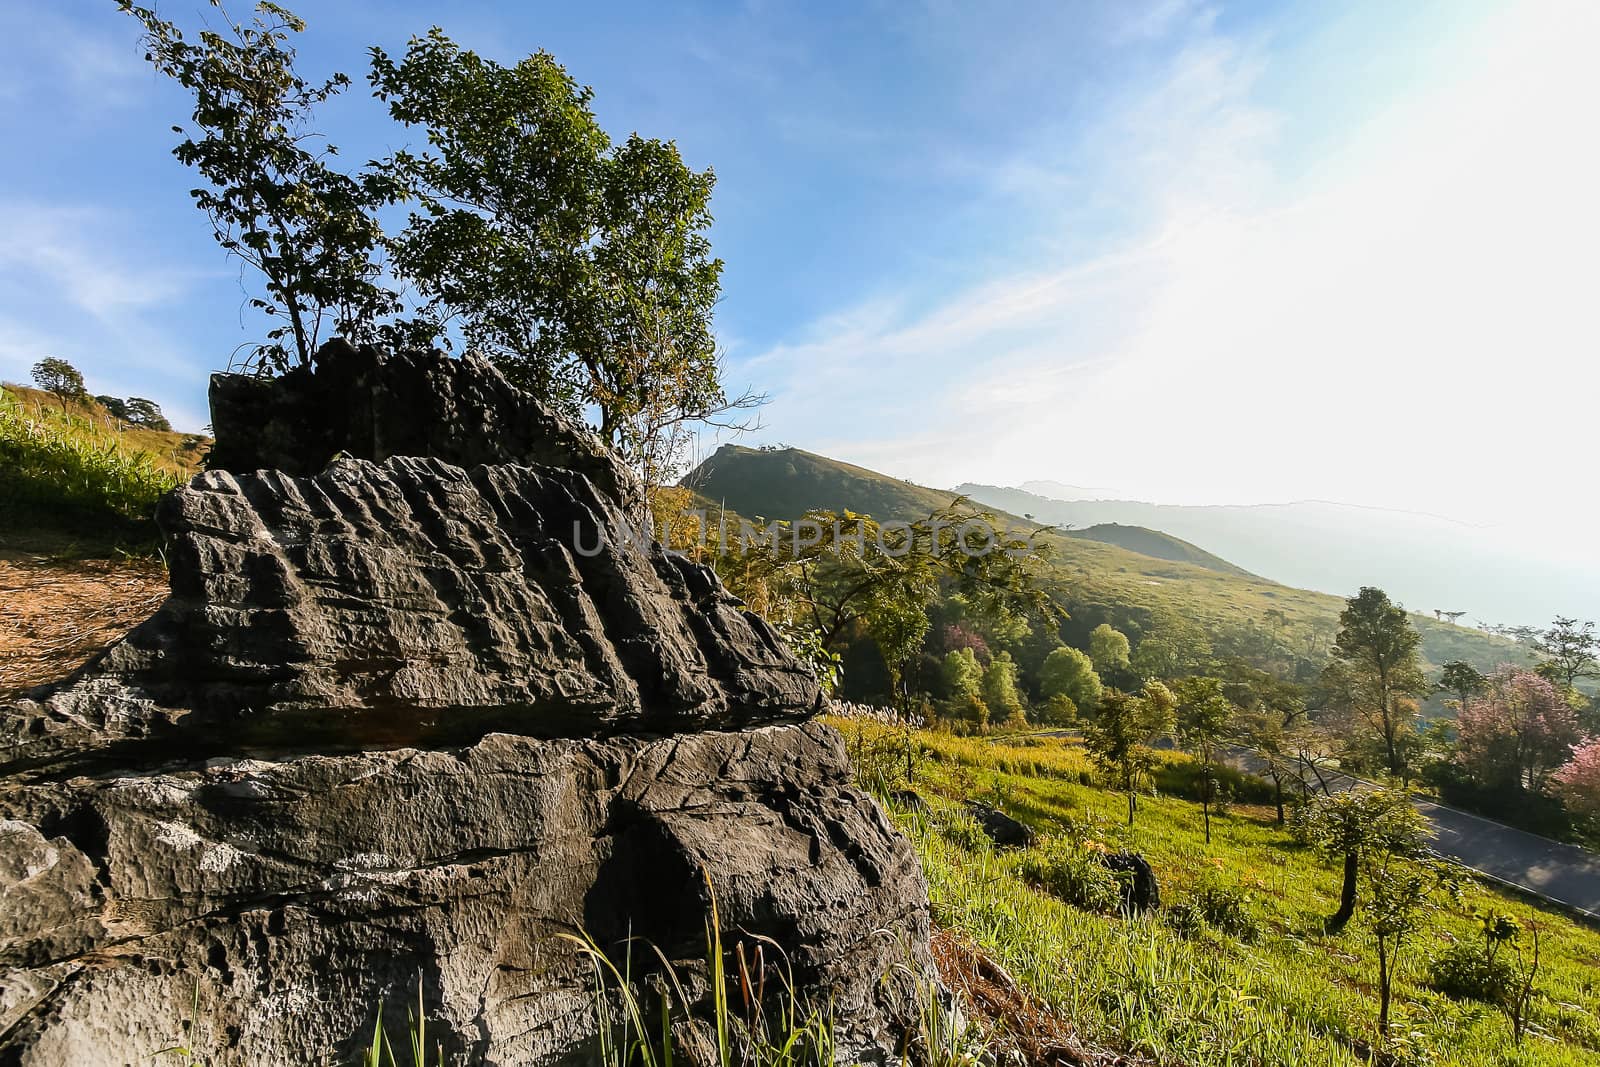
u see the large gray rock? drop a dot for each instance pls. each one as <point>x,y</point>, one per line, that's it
<point>300,894</point>
<point>416,716</point>
<point>366,403</point>
<point>411,602</point>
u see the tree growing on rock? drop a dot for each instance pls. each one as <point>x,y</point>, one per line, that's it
<point>1119,737</point>
<point>272,197</point>
<point>1352,828</point>
<point>583,267</point>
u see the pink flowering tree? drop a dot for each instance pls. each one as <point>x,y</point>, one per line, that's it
<point>1516,732</point>
<point>956,637</point>
<point>1578,783</point>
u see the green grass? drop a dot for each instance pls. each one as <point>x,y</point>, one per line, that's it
<point>1292,996</point>
<point>67,471</point>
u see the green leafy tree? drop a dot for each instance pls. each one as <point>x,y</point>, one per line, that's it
<point>841,574</point>
<point>1271,721</point>
<point>1204,715</point>
<point>1059,710</point>
<point>1567,650</point>
<point>115,406</point>
<point>60,379</point>
<point>1352,828</point>
<point>1067,672</point>
<point>1173,647</point>
<point>583,267</point>
<point>1118,740</point>
<point>272,197</point>
<point>1378,645</point>
<point>1461,680</point>
<point>1108,650</point>
<point>897,624</point>
<point>999,689</point>
<point>146,413</point>
<point>1403,890</point>
<point>963,684</point>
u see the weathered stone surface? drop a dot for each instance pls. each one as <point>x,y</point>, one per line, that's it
<point>299,894</point>
<point>366,403</point>
<point>413,602</point>
<point>415,717</point>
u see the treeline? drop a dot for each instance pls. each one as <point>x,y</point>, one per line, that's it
<point>65,382</point>
<point>998,641</point>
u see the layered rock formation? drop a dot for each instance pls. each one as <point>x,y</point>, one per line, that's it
<point>414,716</point>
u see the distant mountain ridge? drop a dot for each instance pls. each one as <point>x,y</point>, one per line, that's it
<point>1103,563</point>
<point>787,483</point>
<point>1427,562</point>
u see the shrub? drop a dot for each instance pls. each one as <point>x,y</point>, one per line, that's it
<point>962,830</point>
<point>1223,907</point>
<point>1465,972</point>
<point>1186,778</point>
<point>1075,872</point>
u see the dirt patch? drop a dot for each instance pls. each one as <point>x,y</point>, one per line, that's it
<point>1020,1028</point>
<point>56,615</point>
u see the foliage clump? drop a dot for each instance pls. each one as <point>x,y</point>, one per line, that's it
<point>1076,872</point>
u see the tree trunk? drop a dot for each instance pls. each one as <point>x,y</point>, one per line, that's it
<point>1385,987</point>
<point>1277,796</point>
<point>1130,807</point>
<point>1347,896</point>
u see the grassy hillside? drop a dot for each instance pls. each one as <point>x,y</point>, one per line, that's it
<point>76,474</point>
<point>1100,566</point>
<point>1236,968</point>
<point>1157,545</point>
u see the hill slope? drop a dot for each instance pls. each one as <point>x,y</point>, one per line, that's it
<point>1425,561</point>
<point>74,478</point>
<point>785,483</point>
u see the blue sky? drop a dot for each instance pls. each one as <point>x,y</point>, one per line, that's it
<point>1197,252</point>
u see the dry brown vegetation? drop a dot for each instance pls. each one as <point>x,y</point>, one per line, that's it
<point>55,615</point>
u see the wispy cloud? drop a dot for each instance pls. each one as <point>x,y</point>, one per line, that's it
<point>74,283</point>
<point>1243,338</point>
<point>74,251</point>
<point>44,53</point>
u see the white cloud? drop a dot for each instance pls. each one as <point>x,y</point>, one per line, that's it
<point>72,250</point>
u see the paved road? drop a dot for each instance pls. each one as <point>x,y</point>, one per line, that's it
<point>1565,874</point>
